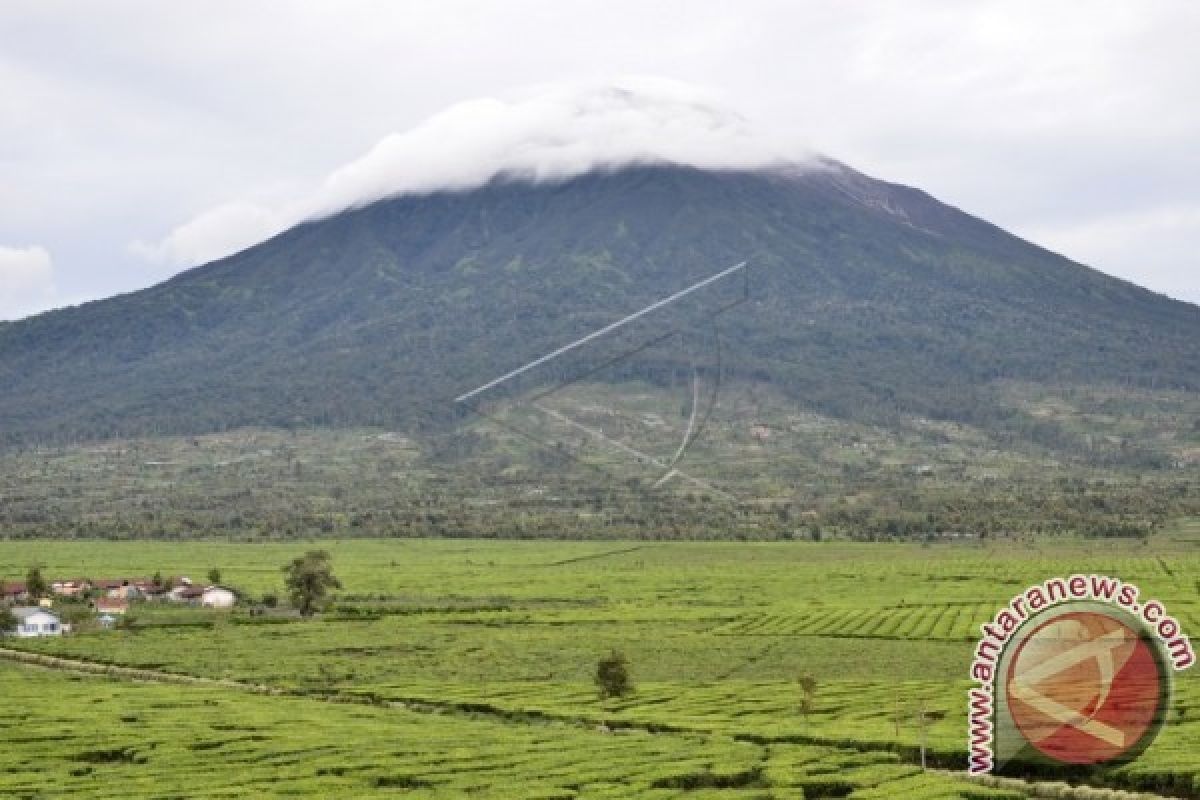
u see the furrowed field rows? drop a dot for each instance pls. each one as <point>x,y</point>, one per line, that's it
<point>485,647</point>
<point>881,715</point>
<point>508,635</point>
<point>884,716</point>
<point>88,737</point>
<point>651,578</point>
<point>876,714</point>
<point>945,622</point>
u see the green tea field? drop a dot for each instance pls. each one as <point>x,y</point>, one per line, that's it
<point>464,668</point>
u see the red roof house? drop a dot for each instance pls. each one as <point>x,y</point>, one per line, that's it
<point>110,605</point>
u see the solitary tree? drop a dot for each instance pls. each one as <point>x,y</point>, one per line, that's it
<point>35,584</point>
<point>808,694</point>
<point>612,675</point>
<point>8,622</point>
<point>309,578</point>
<point>157,580</point>
<point>214,576</point>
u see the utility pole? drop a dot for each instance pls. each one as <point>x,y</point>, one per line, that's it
<point>921,719</point>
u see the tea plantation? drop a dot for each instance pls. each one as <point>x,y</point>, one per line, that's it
<point>464,668</point>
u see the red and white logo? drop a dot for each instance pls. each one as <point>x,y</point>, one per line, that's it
<point>1073,671</point>
<point>1085,688</point>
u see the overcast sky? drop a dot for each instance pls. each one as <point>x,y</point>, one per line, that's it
<point>137,139</point>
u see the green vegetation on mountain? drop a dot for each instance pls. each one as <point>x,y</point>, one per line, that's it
<point>806,476</point>
<point>898,368</point>
<point>867,300</point>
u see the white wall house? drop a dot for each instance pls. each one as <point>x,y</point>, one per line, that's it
<point>217,597</point>
<point>33,621</point>
<point>185,593</point>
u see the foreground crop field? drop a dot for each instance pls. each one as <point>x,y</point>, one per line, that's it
<point>196,742</point>
<point>463,668</point>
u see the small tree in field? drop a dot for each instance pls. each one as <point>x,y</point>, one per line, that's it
<point>612,675</point>
<point>808,694</point>
<point>214,576</point>
<point>35,584</point>
<point>8,622</point>
<point>309,578</point>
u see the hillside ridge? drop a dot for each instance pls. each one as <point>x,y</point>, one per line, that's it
<point>897,302</point>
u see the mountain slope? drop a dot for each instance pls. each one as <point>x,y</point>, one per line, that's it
<point>867,299</point>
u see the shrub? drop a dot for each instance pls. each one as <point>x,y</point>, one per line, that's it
<point>612,675</point>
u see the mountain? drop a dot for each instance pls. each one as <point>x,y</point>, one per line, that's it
<point>866,300</point>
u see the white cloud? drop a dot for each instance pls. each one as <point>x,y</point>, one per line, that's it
<point>122,121</point>
<point>551,132</point>
<point>557,131</point>
<point>213,234</point>
<point>26,281</point>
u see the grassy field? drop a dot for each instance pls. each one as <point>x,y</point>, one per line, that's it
<point>463,668</point>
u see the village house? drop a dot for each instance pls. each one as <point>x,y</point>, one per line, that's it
<point>110,605</point>
<point>217,597</point>
<point>185,594</point>
<point>126,588</point>
<point>207,596</point>
<point>35,621</point>
<point>148,589</point>
<point>126,592</point>
<point>105,586</point>
<point>162,591</point>
<point>70,588</point>
<point>13,591</point>
<point>141,588</point>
